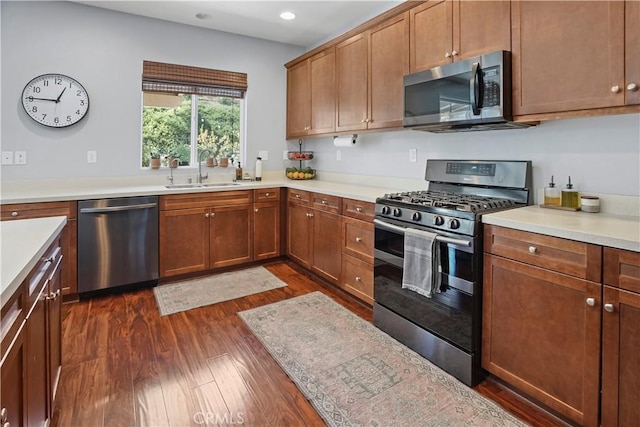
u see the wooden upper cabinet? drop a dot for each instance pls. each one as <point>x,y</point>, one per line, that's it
<point>389,47</point>
<point>352,83</point>
<point>632,52</point>
<point>567,55</point>
<point>298,100</point>
<point>322,68</point>
<point>443,31</point>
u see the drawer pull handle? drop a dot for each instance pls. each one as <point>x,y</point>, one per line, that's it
<point>358,209</point>
<point>358,279</point>
<point>4,415</point>
<point>14,213</point>
<point>358,239</point>
<point>533,249</point>
<point>324,202</point>
<point>609,308</point>
<point>297,196</point>
<point>591,302</point>
<point>267,194</point>
<point>256,209</point>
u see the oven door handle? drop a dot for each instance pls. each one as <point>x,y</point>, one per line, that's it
<point>443,239</point>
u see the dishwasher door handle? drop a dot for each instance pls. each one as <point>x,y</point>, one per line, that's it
<point>118,208</point>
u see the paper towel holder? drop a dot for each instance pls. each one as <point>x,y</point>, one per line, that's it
<point>339,141</point>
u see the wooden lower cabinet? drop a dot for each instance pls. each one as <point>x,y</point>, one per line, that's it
<point>13,389</point>
<point>184,243</point>
<point>327,244</point>
<point>266,230</point>
<point>230,236</point>
<point>357,278</point>
<point>357,249</point>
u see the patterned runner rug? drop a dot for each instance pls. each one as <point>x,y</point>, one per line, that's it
<point>183,296</point>
<point>356,375</point>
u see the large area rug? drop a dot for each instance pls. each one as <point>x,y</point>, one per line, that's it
<point>356,375</point>
<point>182,296</point>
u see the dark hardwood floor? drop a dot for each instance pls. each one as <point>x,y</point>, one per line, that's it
<point>124,365</point>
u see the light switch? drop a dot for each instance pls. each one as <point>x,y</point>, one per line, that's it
<point>21,158</point>
<point>264,154</point>
<point>285,155</point>
<point>338,155</point>
<point>7,157</point>
<point>413,155</point>
<point>92,157</point>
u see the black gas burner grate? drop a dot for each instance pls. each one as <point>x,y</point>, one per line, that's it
<point>454,201</point>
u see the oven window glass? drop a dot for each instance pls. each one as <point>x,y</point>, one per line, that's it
<point>447,97</point>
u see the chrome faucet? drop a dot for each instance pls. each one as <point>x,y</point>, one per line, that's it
<point>200,176</point>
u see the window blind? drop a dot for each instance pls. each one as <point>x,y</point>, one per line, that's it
<point>173,78</point>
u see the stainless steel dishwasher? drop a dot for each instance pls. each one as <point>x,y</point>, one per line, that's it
<point>117,243</point>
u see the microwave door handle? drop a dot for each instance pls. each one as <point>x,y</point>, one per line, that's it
<point>474,88</point>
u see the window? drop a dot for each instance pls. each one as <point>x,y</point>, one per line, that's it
<point>187,110</point>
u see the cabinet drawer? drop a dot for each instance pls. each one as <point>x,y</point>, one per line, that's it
<point>622,269</point>
<point>577,259</point>
<point>357,239</point>
<point>327,203</point>
<point>266,195</point>
<point>357,209</point>
<point>204,200</point>
<point>357,278</point>
<point>299,196</point>
<point>39,210</point>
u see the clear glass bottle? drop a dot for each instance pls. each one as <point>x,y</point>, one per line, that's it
<point>570,197</point>
<point>552,194</point>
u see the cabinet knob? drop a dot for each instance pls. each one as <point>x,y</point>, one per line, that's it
<point>533,249</point>
<point>4,415</point>
<point>358,209</point>
<point>297,196</point>
<point>454,53</point>
<point>447,55</point>
<point>324,202</point>
<point>358,239</point>
<point>14,213</point>
<point>6,425</point>
<point>591,302</point>
<point>363,120</point>
<point>256,209</point>
<point>632,87</point>
<point>615,89</point>
<point>206,215</point>
<point>358,279</point>
<point>267,194</point>
<point>309,215</point>
<point>608,307</point>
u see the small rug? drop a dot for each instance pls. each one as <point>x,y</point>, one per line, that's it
<point>356,375</point>
<point>183,296</point>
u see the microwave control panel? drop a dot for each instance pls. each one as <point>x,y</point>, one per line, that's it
<point>491,79</point>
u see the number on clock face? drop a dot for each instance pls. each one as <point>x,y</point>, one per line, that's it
<point>55,100</point>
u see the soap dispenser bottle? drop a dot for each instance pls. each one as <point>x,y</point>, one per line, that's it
<point>552,194</point>
<point>570,197</point>
<point>239,172</point>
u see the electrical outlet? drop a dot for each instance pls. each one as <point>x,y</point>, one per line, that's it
<point>285,155</point>
<point>7,157</point>
<point>21,158</point>
<point>413,155</point>
<point>264,154</point>
<point>338,155</point>
<point>92,157</point>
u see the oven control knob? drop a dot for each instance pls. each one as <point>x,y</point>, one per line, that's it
<point>438,220</point>
<point>454,224</point>
<point>397,212</point>
<point>386,210</point>
<point>416,216</point>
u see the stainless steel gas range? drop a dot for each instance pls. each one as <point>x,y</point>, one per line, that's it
<point>443,324</point>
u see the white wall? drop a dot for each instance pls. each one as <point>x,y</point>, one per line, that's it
<point>104,51</point>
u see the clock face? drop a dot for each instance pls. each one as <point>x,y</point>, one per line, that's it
<point>55,100</point>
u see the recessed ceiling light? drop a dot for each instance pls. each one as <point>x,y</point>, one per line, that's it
<point>288,16</point>
<point>203,16</point>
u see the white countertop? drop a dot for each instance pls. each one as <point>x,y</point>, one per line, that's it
<point>22,245</point>
<point>622,232</point>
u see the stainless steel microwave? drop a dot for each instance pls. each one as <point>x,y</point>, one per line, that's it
<point>472,94</point>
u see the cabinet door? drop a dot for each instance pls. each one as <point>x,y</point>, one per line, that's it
<point>481,26</point>
<point>632,51</point>
<point>620,358</point>
<point>389,56</point>
<point>431,34</point>
<point>184,241</point>
<point>299,234</point>
<point>37,355</point>
<point>322,68</point>
<point>231,235</point>
<point>54,327</point>
<point>298,100</point>
<point>357,278</point>
<point>266,231</point>
<point>558,62</point>
<point>327,244</point>
<point>540,335</point>
<point>352,83</point>
<point>13,389</point>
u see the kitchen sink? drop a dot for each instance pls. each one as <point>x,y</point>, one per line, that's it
<point>195,185</point>
<point>183,186</point>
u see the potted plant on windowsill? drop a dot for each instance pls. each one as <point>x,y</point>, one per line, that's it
<point>173,160</point>
<point>155,162</point>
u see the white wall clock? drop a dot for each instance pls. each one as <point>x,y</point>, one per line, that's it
<point>55,100</point>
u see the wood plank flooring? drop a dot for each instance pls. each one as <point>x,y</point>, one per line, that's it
<point>124,365</point>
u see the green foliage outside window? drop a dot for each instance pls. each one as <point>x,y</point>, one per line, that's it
<point>167,130</point>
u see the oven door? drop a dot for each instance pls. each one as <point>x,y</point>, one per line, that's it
<point>449,314</point>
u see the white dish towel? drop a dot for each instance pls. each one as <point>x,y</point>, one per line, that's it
<point>421,269</point>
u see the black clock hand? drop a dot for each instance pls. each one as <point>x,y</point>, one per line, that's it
<point>42,99</point>
<point>60,96</point>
